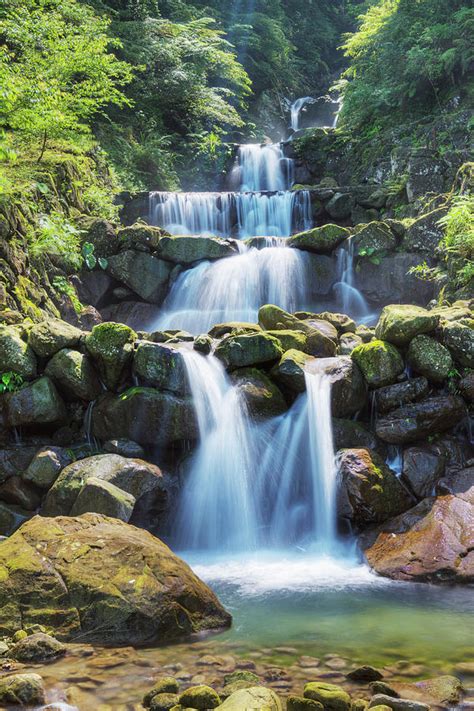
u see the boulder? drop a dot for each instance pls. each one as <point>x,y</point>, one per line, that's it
<point>400,323</point>
<point>422,468</point>
<point>36,404</point>
<point>425,233</point>
<point>367,334</point>
<point>200,697</point>
<point>136,314</point>
<point>93,287</point>
<point>321,272</point>
<point>382,701</point>
<point>146,275</point>
<point>45,466</point>
<point>146,416</point>
<point>124,447</point>
<point>331,696</point>
<point>299,703</point>
<point>348,342</point>
<point>36,648</point>
<point>320,334</point>
<point>15,459</point>
<point>289,371</point>
<point>257,697</point>
<point>102,235</point>
<point>11,517</point>
<point>429,358</point>
<point>48,337</point>
<point>248,349</point>
<point>419,420</point>
<point>184,249</point>
<point>15,355</point>
<point>441,691</point>
<point>374,239</point>
<point>341,322</point>
<point>162,366</point>
<point>387,280</point>
<point>165,702</point>
<point>111,346</point>
<point>376,199</point>
<point>141,237</point>
<point>290,339</point>
<point>233,328</point>
<point>20,493</point>
<point>392,396</point>
<point>459,340</point>
<point>322,240</point>
<point>103,497</point>
<point>369,492</point>
<point>339,206</point>
<point>103,581</point>
<point>262,397</point>
<point>348,434</point>
<point>74,375</point>
<point>22,690</point>
<point>365,673</point>
<point>348,389</point>
<point>379,361</point>
<point>165,685</point>
<point>203,344</point>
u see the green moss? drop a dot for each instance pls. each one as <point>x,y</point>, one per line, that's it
<point>379,361</point>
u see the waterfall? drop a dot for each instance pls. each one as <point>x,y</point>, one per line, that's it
<point>296,108</point>
<point>264,168</point>
<point>351,300</point>
<point>233,289</point>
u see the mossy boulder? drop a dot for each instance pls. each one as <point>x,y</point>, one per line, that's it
<point>321,336</point>
<point>233,328</point>
<point>162,366</point>
<point>374,239</point>
<point>340,206</point>
<point>299,703</point>
<point>165,685</point>
<point>273,318</point>
<point>22,690</point>
<point>184,249</point>
<point>16,355</point>
<point>38,403</point>
<point>379,361</point>
<point>141,237</point>
<point>38,647</point>
<point>44,468</point>
<point>289,371</point>
<point>400,323</point>
<point>257,697</point>
<point>100,496</point>
<point>111,347</point>
<point>248,349</point>
<point>369,491</point>
<point>200,697</point>
<point>341,322</point>
<point>332,697</point>
<point>74,375</point>
<point>322,240</point>
<point>262,397</point>
<point>289,339</point>
<point>425,233</point>
<point>85,577</point>
<point>348,388</point>
<point>459,339</point>
<point>143,273</point>
<point>391,397</point>
<point>164,702</point>
<point>49,337</point>
<point>349,342</point>
<point>419,420</point>
<point>429,358</point>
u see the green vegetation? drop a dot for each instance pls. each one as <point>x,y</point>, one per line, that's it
<point>10,381</point>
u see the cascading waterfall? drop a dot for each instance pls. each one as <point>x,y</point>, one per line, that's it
<point>296,109</point>
<point>350,298</point>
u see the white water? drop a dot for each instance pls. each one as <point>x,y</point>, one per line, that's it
<point>264,168</point>
<point>296,108</point>
<point>351,301</point>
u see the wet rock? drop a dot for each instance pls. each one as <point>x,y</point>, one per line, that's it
<point>16,355</point>
<point>49,337</point>
<point>14,460</point>
<point>125,448</point>
<point>466,386</point>
<point>341,322</point>
<point>37,648</point>
<point>348,389</point>
<point>400,323</point>
<point>164,702</point>
<point>165,685</point>
<point>183,249</point>
<point>289,371</point>
<point>320,341</point>
<point>141,237</point>
<point>241,675</point>
<point>369,492</point>
<point>340,206</point>
<point>332,697</point>
<point>290,339</point>
<point>374,239</point>
<point>162,366</point>
<point>299,703</point>
<point>389,280</point>
<point>391,397</point>
<point>262,397</point>
<point>365,673</point>
<point>459,339</point>
<point>200,697</point>
<point>256,697</point>
<point>36,404</point>
<point>74,375</point>
<point>348,342</point>
<point>146,416</point>
<point>397,704</point>
<point>86,576</point>
<point>379,361</point>
<point>367,334</point>
<point>459,482</point>
<point>248,349</point>
<point>146,275</point>
<point>322,240</point>
<point>100,496</point>
<point>11,517</point>
<point>420,420</point>
<point>429,358</point>
<point>425,233</point>
<point>348,434</point>
<point>20,493</point>
<point>203,344</point>
<point>234,328</point>
<point>422,467</point>
<point>442,691</point>
<point>111,346</point>
<point>22,690</point>
<point>380,687</point>
<point>93,286</point>
<point>45,466</point>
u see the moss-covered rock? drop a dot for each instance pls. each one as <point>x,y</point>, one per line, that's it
<point>162,366</point>
<point>74,375</point>
<point>348,388</point>
<point>22,690</point>
<point>141,237</point>
<point>425,233</point>
<point>322,240</point>
<point>111,346</point>
<point>348,342</point>
<point>400,323</point>
<point>459,339</point>
<point>289,339</point>
<point>257,697</point>
<point>262,397</point>
<point>299,703</point>
<point>234,328</point>
<point>321,336</point>
<point>374,239</point>
<point>39,647</point>
<point>165,685</point>
<point>45,466</point>
<point>100,496</point>
<point>200,697</point>
<point>379,361</point>
<point>184,249</point>
<point>289,371</point>
<point>49,337</point>
<point>332,697</point>
<point>164,702</point>
<point>429,358</point>
<point>38,403</point>
<point>86,577</point>
<point>248,349</point>
<point>144,274</point>
<point>341,322</point>
<point>16,355</point>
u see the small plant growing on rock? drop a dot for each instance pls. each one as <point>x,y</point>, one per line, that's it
<point>62,286</point>
<point>10,381</point>
<point>90,259</point>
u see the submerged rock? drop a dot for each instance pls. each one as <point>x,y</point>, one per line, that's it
<point>381,700</point>
<point>103,581</point>
<point>416,421</point>
<point>400,323</point>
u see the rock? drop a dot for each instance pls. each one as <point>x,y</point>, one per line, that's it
<point>348,434</point>
<point>162,366</point>
<point>376,199</point>
<point>466,387</point>
<point>290,339</point>
<point>14,460</point>
<point>234,328</point>
<point>322,272</point>
<point>289,371</point>
<point>48,337</point>
<point>365,333</point>
<point>425,233</point>
<point>86,576</point>
<point>136,314</point>
<point>141,237</point>
<point>257,697</point>
<point>164,702</point>
<point>146,275</point>
<point>36,404</point>
<point>422,467</point>
<point>165,685</point>
<point>11,517</point>
<point>74,375</point>
<point>22,690</point>
<point>248,349</point>
<point>146,416</point>
<point>322,240</point>
<point>100,496</point>
<point>323,327</point>
<point>374,239</point>
<point>203,344</point>
<point>369,492</point>
<point>241,675</point>
<point>348,389</point>
<point>429,358</point>
<point>392,396</point>
<point>332,697</point>
<point>400,323</point>
<point>133,476</point>
<point>103,236</point>
<point>299,703</point>
<point>379,361</point>
<point>341,322</point>
<point>262,397</point>
<point>380,687</point>
<point>200,697</point>
<point>15,355</point>
<point>124,447</point>
<point>459,482</point>
<point>420,420</point>
<point>365,673</point>
<point>388,280</point>
<point>111,346</point>
<point>340,206</point>
<point>442,691</point>
<point>37,648</point>
<point>320,341</point>
<point>273,318</point>
<point>184,249</point>
<point>397,704</point>
<point>348,342</point>
<point>459,339</point>
<point>20,493</point>
<point>431,542</point>
<point>92,287</point>
<point>45,466</point>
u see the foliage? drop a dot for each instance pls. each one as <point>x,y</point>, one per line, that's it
<point>63,286</point>
<point>458,241</point>
<point>56,236</point>
<point>91,261</point>
<point>10,381</point>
